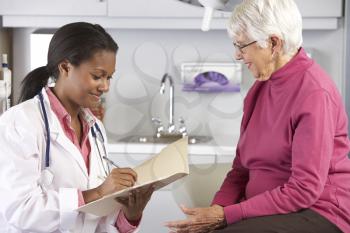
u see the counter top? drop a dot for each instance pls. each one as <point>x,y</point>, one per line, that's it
<point>219,150</point>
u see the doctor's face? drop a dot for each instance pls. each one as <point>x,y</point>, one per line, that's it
<point>84,84</point>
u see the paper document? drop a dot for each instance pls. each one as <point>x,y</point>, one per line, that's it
<point>162,169</point>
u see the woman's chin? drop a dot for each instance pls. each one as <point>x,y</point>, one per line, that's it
<point>258,77</point>
<point>94,104</point>
<point>90,104</point>
<point>261,77</point>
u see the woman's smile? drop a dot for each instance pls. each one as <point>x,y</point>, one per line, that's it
<point>96,97</point>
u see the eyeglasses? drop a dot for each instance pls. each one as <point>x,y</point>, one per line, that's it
<point>241,47</point>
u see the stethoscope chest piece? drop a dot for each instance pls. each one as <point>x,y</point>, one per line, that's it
<point>46,177</point>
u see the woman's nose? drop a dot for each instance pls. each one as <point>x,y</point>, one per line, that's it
<point>104,85</point>
<point>237,55</point>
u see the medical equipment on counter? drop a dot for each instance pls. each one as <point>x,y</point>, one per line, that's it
<point>5,83</point>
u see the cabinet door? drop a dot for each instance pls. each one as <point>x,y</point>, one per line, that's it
<point>54,7</point>
<point>320,8</point>
<point>154,8</point>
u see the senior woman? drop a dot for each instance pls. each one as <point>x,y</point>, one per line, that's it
<point>291,172</point>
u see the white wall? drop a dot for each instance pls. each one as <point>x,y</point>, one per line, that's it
<point>144,56</point>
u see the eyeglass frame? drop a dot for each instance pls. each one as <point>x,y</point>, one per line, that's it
<point>240,47</point>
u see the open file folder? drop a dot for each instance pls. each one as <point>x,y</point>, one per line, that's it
<point>162,169</point>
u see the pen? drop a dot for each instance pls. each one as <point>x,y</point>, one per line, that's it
<point>110,162</point>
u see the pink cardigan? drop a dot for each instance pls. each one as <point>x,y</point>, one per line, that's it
<point>293,148</point>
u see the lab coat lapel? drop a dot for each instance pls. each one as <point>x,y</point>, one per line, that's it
<point>57,135</point>
<point>72,150</point>
<point>97,171</point>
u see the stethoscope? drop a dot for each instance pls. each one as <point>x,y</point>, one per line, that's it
<point>96,134</point>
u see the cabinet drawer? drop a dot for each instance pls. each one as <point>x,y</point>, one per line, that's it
<point>54,8</point>
<point>320,8</point>
<point>155,8</point>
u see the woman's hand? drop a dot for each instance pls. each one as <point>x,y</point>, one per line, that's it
<point>118,179</point>
<point>135,203</point>
<point>199,220</point>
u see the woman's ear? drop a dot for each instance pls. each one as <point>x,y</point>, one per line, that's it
<point>276,45</point>
<point>64,67</point>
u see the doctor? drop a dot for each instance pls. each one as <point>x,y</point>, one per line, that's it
<point>52,156</point>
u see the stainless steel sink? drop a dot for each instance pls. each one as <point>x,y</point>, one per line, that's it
<point>165,139</point>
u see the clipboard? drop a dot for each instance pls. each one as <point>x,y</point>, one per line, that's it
<point>169,165</point>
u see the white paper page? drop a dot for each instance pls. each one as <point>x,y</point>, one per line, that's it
<point>162,169</point>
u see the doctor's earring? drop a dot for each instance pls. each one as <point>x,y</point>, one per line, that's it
<point>51,82</point>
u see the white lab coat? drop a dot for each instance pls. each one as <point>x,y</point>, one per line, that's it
<point>38,199</point>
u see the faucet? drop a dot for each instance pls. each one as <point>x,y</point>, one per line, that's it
<point>171,130</point>
<point>182,128</point>
<point>157,122</point>
<point>171,126</point>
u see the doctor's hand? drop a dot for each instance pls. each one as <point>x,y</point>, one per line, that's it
<point>118,179</point>
<point>135,203</point>
<point>199,220</point>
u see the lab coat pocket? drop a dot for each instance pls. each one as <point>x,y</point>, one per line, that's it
<point>90,223</point>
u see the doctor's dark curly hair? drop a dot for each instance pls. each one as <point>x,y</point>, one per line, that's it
<point>74,42</point>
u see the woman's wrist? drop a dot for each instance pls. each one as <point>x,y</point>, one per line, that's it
<point>132,217</point>
<point>219,211</point>
<point>91,195</point>
<point>134,221</point>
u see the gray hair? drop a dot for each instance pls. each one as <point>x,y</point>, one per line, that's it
<point>260,19</point>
